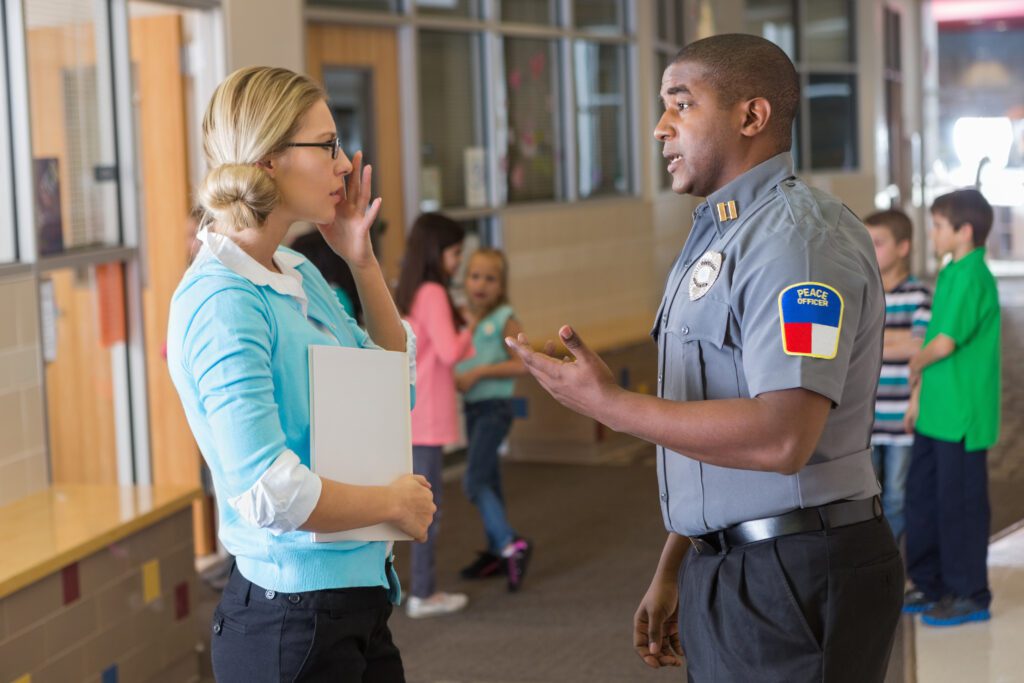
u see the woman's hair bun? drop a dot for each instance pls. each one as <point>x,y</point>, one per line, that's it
<point>238,195</point>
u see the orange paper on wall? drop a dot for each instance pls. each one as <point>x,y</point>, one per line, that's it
<point>110,303</point>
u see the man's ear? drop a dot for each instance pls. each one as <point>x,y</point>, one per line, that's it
<point>756,114</point>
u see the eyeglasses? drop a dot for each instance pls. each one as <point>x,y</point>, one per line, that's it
<point>333,145</point>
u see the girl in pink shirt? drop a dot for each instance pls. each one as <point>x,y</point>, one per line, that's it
<point>433,254</point>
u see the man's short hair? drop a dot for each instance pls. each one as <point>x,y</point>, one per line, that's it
<point>739,66</point>
<point>895,221</point>
<point>966,206</point>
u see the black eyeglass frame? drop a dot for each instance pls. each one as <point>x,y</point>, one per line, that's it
<point>334,146</point>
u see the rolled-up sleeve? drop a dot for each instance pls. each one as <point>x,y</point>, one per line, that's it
<point>227,351</point>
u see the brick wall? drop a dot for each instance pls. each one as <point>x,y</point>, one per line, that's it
<point>121,615</point>
<point>23,468</point>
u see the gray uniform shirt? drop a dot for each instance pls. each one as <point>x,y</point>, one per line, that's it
<point>797,301</point>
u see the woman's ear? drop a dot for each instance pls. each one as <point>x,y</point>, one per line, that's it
<point>268,166</point>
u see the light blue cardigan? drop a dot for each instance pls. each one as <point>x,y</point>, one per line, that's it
<point>237,353</point>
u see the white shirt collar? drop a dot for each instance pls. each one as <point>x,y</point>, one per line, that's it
<point>287,282</point>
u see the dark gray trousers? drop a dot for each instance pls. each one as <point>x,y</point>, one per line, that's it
<point>427,461</point>
<point>818,606</point>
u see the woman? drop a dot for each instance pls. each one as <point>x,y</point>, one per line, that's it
<point>241,322</point>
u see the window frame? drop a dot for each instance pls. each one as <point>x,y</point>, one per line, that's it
<point>408,22</point>
<point>664,51</point>
<point>806,70</point>
<point>132,437</point>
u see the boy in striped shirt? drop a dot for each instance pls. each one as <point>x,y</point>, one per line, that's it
<point>907,311</point>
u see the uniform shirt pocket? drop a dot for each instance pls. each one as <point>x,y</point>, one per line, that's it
<point>701,339</point>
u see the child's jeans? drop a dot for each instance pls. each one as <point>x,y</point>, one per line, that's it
<point>948,520</point>
<point>487,425</point>
<point>891,466</point>
<point>428,462</point>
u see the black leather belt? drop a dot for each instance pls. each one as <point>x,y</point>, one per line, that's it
<point>831,516</point>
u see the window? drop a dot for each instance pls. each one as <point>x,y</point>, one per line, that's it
<point>73,138</point>
<point>828,36</point>
<point>669,29</point>
<point>453,164</point>
<point>819,37</point>
<point>448,8</point>
<point>599,16</point>
<point>364,5</point>
<point>898,179</point>
<point>532,151</point>
<point>530,11</point>
<point>8,253</point>
<point>85,352</point>
<point>601,119</point>
<point>669,19</point>
<point>774,20</point>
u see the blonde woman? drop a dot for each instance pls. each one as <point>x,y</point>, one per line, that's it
<point>241,322</point>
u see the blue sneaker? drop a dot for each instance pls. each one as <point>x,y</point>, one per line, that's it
<point>915,602</point>
<point>955,611</point>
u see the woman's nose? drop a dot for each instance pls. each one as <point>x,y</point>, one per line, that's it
<point>342,165</point>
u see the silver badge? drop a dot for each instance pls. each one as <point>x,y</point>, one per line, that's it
<point>705,273</point>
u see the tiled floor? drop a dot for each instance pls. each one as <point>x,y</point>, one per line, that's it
<point>614,558</point>
<point>987,652</point>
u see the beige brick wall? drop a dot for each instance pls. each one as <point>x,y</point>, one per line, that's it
<point>148,631</point>
<point>590,264</point>
<point>23,464</point>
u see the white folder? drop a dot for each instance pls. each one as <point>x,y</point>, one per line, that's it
<point>360,431</point>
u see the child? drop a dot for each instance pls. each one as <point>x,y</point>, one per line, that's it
<point>955,414</point>
<point>907,311</point>
<point>339,276</point>
<point>433,254</point>
<point>487,381</point>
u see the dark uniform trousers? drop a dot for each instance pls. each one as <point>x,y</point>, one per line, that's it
<point>338,635</point>
<point>816,606</point>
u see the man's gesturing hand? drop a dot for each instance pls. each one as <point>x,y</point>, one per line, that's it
<point>583,384</point>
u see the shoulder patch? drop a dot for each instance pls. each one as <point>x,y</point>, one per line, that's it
<point>811,316</point>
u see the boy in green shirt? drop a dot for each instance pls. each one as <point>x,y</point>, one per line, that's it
<point>954,414</point>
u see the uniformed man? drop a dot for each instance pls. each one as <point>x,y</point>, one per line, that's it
<point>769,346</point>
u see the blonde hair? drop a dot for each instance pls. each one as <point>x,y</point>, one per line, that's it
<point>495,256</point>
<point>252,115</point>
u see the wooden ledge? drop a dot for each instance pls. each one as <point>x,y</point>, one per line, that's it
<point>43,533</point>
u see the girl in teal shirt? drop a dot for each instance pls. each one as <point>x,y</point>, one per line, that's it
<point>487,381</point>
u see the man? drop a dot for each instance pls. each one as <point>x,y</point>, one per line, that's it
<point>769,340</point>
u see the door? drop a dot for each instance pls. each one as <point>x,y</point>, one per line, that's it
<point>358,66</point>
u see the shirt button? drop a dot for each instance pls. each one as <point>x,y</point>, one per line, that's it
<point>216,628</point>
<point>294,599</point>
<point>664,496</point>
<point>659,378</point>
<point>685,330</point>
<point>269,595</point>
<point>664,317</point>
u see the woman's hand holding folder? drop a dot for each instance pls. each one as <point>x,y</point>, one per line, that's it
<point>413,504</point>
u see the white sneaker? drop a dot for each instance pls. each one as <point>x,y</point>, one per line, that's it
<point>435,605</point>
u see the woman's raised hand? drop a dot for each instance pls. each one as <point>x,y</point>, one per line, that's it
<point>349,234</point>
<point>414,505</point>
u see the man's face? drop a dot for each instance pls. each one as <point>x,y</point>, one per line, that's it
<point>695,131</point>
